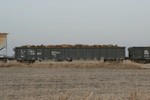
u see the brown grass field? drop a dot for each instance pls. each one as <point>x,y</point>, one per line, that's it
<point>77,80</point>
<point>76,64</point>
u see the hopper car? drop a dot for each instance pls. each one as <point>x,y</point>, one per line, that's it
<point>58,53</point>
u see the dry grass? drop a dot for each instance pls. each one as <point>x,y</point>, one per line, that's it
<point>12,64</point>
<point>91,96</point>
<point>37,83</point>
<point>76,64</point>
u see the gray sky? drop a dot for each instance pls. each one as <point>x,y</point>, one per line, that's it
<point>122,22</point>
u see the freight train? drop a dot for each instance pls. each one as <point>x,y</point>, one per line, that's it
<point>110,53</point>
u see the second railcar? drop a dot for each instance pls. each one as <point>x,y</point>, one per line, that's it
<point>139,54</point>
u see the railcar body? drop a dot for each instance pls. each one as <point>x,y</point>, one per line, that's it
<point>69,53</point>
<point>139,54</point>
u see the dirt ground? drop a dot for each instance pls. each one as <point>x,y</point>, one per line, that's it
<point>37,83</point>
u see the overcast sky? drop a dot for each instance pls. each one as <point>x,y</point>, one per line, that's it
<point>121,22</point>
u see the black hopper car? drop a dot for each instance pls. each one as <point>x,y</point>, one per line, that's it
<point>69,52</point>
<point>139,54</point>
